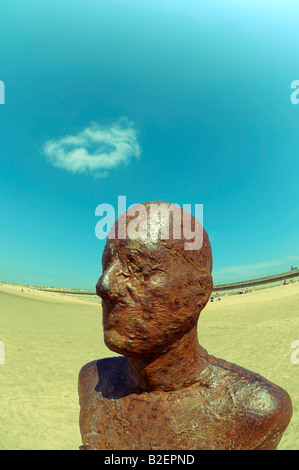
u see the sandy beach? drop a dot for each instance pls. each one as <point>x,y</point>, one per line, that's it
<point>49,336</point>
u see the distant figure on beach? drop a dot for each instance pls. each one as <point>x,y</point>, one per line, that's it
<point>164,391</point>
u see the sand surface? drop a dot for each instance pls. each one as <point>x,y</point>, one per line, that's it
<point>49,336</point>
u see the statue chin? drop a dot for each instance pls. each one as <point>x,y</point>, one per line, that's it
<point>126,346</point>
<point>119,343</point>
<point>114,341</point>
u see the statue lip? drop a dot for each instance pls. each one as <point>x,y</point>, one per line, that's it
<point>112,311</point>
<point>109,305</point>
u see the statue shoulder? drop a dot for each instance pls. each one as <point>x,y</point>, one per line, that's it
<point>88,378</point>
<point>260,404</point>
<point>101,376</point>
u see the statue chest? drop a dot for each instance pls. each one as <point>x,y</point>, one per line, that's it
<point>156,421</point>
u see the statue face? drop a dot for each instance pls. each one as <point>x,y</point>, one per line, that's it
<point>150,297</point>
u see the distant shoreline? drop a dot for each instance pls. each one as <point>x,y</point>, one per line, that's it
<point>228,288</point>
<point>59,290</point>
<point>258,283</point>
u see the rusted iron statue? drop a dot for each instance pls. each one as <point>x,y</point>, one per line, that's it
<point>164,391</point>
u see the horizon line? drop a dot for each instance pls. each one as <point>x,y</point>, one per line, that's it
<point>226,286</point>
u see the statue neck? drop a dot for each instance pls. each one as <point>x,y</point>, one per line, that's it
<point>180,366</point>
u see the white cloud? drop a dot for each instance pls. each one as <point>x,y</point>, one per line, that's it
<point>95,150</point>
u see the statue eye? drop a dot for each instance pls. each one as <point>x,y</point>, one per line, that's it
<point>107,259</point>
<point>125,269</point>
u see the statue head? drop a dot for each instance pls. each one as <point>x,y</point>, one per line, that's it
<point>152,288</point>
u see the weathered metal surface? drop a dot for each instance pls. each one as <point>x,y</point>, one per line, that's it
<point>165,391</point>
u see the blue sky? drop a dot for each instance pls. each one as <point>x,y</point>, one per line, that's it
<point>187,102</point>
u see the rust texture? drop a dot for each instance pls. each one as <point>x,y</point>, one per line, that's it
<point>164,391</point>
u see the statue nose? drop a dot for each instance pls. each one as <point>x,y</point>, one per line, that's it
<point>108,286</point>
<point>102,287</point>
